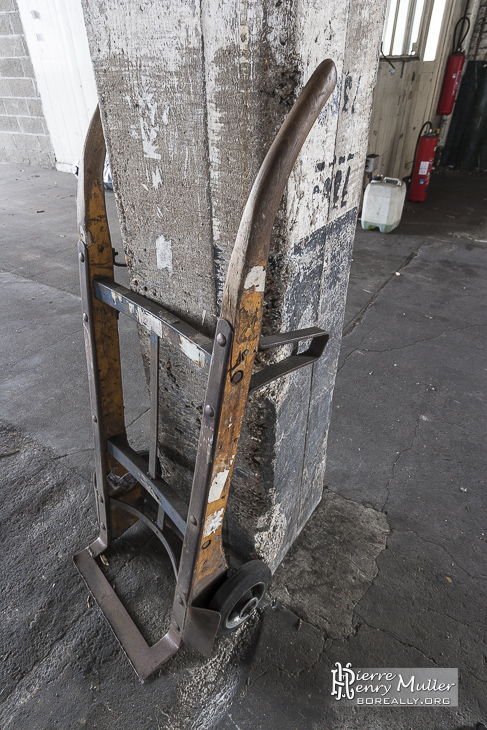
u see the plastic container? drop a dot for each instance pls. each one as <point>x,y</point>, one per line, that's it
<point>383,204</point>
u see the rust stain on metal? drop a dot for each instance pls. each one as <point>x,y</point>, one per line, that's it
<point>101,331</point>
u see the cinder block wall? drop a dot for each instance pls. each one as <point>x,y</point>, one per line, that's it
<point>23,133</point>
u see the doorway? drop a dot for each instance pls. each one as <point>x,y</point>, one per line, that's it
<point>416,42</point>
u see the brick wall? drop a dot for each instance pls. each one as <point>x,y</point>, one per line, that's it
<point>23,133</point>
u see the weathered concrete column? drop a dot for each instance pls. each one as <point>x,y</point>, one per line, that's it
<point>192,94</point>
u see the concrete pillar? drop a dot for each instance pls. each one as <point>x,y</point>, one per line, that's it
<point>192,94</point>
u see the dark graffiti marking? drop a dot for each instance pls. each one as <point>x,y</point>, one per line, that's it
<point>336,187</point>
<point>345,189</point>
<point>346,87</point>
<point>339,182</point>
<point>355,97</point>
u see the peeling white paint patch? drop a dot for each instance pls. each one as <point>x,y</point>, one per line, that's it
<point>156,179</point>
<point>146,319</point>
<point>192,351</point>
<point>255,279</point>
<point>164,254</point>
<point>213,522</point>
<point>148,128</point>
<point>165,116</point>
<point>217,486</point>
<point>148,143</point>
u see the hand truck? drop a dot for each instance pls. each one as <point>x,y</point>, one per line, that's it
<point>128,484</point>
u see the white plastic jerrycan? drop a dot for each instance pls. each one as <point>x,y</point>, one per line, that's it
<point>383,204</point>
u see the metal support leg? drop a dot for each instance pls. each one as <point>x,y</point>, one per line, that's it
<point>154,404</point>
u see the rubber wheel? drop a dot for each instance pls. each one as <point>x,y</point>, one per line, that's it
<point>237,599</point>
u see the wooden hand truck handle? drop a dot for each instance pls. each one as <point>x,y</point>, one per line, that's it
<point>242,311</point>
<point>254,234</point>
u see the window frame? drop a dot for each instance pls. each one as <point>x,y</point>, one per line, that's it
<point>423,29</point>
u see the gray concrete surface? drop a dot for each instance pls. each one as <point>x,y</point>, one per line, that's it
<point>391,569</point>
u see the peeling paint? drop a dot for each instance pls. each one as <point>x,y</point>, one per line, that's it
<point>218,485</point>
<point>165,116</point>
<point>164,254</point>
<point>255,279</point>
<point>192,351</point>
<point>146,319</point>
<point>213,522</point>
<point>148,139</point>
<point>145,97</point>
<point>156,179</point>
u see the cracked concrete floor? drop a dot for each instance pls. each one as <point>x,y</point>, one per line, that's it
<point>406,464</point>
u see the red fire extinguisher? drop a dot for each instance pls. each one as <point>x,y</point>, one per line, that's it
<point>451,83</point>
<point>453,68</point>
<point>423,162</point>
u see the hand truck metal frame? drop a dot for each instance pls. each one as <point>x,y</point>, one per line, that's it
<point>205,599</point>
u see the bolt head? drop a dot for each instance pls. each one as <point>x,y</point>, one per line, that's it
<point>221,339</point>
<point>81,256</point>
<point>94,419</point>
<point>193,520</point>
<point>85,317</point>
<point>209,411</point>
<point>237,377</point>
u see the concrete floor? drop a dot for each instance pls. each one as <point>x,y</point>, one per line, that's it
<point>389,572</point>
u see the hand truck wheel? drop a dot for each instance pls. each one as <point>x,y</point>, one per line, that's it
<point>238,597</point>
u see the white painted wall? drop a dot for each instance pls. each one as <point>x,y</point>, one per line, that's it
<point>56,36</point>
